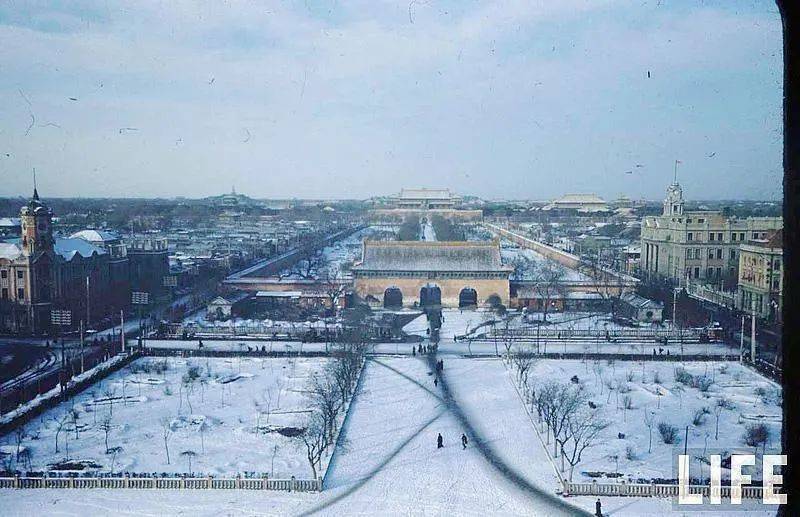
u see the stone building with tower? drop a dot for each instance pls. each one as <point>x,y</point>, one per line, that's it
<point>41,271</point>
<point>431,273</point>
<point>699,246</point>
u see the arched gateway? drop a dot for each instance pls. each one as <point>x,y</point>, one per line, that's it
<point>392,298</point>
<point>468,297</point>
<point>450,274</point>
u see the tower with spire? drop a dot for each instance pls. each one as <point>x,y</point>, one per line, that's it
<point>673,203</point>
<point>37,226</point>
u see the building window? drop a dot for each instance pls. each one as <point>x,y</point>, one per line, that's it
<point>689,236</point>
<point>741,236</point>
<point>733,254</point>
<point>21,293</point>
<point>697,272</point>
<point>709,272</point>
<point>733,237</point>
<point>3,273</point>
<point>688,253</point>
<point>20,274</point>
<point>719,253</point>
<point>755,235</point>
<point>710,236</point>
<point>719,237</point>
<point>711,253</point>
<point>701,220</point>
<point>697,253</point>
<point>688,219</point>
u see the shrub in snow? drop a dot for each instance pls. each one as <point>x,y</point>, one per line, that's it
<point>656,377</point>
<point>669,433</point>
<point>627,402</point>
<point>699,416</point>
<point>629,376</point>
<point>756,434</point>
<point>630,453</point>
<point>625,388</point>
<point>682,376</point>
<point>702,383</point>
<point>723,369</point>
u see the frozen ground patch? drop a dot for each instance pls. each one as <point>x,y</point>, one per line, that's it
<point>235,415</point>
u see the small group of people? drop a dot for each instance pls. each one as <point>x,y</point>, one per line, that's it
<point>660,351</point>
<point>421,349</point>
<point>440,441</point>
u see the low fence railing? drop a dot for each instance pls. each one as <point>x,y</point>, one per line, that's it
<point>164,483</point>
<point>624,333</point>
<point>653,490</point>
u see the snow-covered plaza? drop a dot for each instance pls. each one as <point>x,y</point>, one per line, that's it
<point>221,416</point>
<point>387,462</point>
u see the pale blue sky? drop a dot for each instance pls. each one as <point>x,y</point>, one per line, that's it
<point>336,98</point>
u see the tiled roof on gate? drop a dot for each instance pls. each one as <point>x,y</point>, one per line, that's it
<point>431,256</point>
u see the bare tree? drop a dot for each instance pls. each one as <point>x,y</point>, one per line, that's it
<point>523,363</point>
<point>720,405</point>
<point>60,423</point>
<point>106,427</point>
<point>326,400</point>
<point>109,392</point>
<point>332,286</point>
<point>548,283</point>
<point>556,402</point>
<point>649,421</point>
<point>582,431</point>
<point>189,455</point>
<point>114,451</point>
<point>19,436</point>
<point>315,439</point>
<point>166,427</point>
<point>609,284</point>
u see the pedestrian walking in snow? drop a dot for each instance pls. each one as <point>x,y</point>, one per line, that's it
<point>439,441</point>
<point>598,509</point>
<point>464,440</point>
<point>414,351</point>
<point>436,381</point>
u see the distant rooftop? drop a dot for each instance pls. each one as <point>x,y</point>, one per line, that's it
<point>425,193</point>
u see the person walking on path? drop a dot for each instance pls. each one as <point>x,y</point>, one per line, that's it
<point>436,381</point>
<point>439,441</point>
<point>464,440</point>
<point>414,351</point>
<point>598,509</point>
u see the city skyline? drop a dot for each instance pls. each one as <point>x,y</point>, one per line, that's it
<point>328,101</point>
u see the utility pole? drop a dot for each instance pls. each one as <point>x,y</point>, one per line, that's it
<point>674,306</point>
<point>81,346</point>
<point>741,342</point>
<point>87,301</point>
<point>752,333</point>
<point>122,329</point>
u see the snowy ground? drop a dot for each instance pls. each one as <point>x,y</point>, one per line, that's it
<point>389,464</point>
<point>653,390</point>
<point>217,421</point>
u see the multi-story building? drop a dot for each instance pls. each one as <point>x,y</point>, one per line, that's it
<point>119,276</point>
<point>761,277</point>
<point>149,265</point>
<point>697,246</point>
<point>40,271</point>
